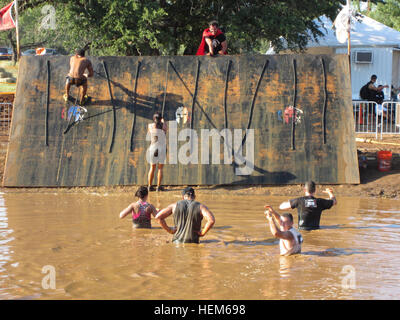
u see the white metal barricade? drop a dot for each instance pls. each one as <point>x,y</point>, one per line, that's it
<point>388,118</point>
<point>365,117</point>
<point>378,119</point>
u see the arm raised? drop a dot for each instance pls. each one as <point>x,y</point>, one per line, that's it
<point>332,197</point>
<point>272,211</point>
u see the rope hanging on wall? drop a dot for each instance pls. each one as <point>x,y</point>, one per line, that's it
<point>134,105</point>
<point>113,105</point>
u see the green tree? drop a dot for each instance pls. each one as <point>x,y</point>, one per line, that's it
<point>171,27</point>
<point>32,34</point>
<point>387,13</point>
<point>175,26</point>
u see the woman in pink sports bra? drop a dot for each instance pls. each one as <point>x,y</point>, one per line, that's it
<point>141,210</point>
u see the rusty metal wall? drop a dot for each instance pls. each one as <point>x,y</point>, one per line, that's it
<point>232,92</point>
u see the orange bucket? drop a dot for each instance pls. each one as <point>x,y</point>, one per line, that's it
<point>384,160</point>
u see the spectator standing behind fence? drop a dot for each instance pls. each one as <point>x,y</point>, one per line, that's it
<point>370,92</point>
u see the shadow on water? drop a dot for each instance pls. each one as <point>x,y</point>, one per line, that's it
<point>210,241</point>
<point>155,228</point>
<point>392,226</point>
<point>266,242</point>
<point>335,226</point>
<point>341,226</point>
<point>222,227</point>
<point>333,252</point>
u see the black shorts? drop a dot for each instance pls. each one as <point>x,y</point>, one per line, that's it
<point>77,81</point>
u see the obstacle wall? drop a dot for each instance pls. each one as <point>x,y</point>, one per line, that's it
<point>299,107</point>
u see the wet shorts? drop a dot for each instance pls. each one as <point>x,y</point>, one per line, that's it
<point>154,156</point>
<point>76,81</point>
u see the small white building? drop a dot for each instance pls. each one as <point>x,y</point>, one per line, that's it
<point>375,49</point>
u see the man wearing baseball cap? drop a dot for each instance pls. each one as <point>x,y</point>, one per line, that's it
<point>187,215</point>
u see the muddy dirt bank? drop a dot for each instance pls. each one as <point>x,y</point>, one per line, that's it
<point>373,183</point>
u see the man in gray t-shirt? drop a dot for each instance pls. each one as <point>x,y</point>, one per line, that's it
<point>187,215</point>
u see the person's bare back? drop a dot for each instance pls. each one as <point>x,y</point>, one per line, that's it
<point>78,65</point>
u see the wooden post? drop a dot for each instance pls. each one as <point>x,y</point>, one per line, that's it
<point>348,37</point>
<point>17,29</point>
<point>349,49</point>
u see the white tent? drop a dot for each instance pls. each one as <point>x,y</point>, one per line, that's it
<point>375,49</point>
<point>366,32</point>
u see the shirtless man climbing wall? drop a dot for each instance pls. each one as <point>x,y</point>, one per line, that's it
<point>77,76</point>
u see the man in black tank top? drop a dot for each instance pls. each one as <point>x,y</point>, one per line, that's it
<point>310,208</point>
<point>187,215</point>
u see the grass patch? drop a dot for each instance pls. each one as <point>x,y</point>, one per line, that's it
<point>12,69</point>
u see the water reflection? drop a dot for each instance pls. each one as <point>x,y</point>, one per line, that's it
<point>285,264</point>
<point>249,242</point>
<point>5,235</point>
<point>331,252</point>
<point>98,256</point>
<point>5,249</point>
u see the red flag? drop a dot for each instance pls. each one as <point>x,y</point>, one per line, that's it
<point>6,19</point>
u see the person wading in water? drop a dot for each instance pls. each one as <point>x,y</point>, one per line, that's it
<point>141,210</point>
<point>290,239</point>
<point>310,208</point>
<point>188,215</point>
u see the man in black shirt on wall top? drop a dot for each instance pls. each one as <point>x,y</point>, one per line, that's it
<point>310,208</point>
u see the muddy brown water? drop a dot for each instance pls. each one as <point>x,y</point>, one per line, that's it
<point>95,255</point>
